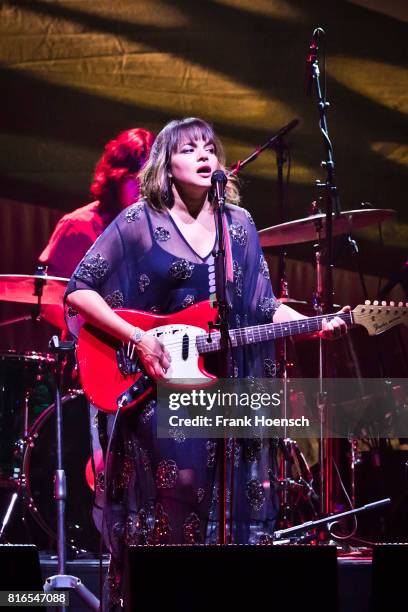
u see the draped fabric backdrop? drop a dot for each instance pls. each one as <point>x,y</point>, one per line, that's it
<point>76,72</point>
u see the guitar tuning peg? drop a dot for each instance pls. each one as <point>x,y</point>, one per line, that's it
<point>392,304</point>
<point>375,303</point>
<point>400,304</point>
<point>367,303</point>
<point>383,303</point>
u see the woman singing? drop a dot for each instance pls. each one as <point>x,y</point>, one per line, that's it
<point>157,256</point>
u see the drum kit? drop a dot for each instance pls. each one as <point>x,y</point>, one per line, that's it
<point>27,412</point>
<point>27,427</point>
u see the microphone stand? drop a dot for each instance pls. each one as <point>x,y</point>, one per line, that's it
<point>235,168</point>
<point>332,204</point>
<point>223,326</point>
<point>286,536</point>
<point>278,143</point>
<point>331,193</point>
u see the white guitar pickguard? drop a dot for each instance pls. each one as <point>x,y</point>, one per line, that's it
<point>172,338</point>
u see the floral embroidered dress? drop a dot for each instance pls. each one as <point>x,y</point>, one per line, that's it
<point>166,490</point>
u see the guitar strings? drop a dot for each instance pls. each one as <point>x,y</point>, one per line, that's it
<point>262,327</point>
<point>177,344</point>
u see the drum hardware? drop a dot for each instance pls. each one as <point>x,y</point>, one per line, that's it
<point>308,228</point>
<point>27,371</point>
<point>313,228</point>
<point>43,293</point>
<point>282,155</point>
<point>293,485</point>
<point>278,143</point>
<point>8,514</point>
<point>355,459</point>
<point>292,301</point>
<point>291,457</point>
<point>38,469</point>
<point>62,580</point>
<point>15,320</point>
<point>33,289</point>
<point>285,465</point>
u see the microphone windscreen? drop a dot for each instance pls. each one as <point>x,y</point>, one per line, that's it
<point>218,177</point>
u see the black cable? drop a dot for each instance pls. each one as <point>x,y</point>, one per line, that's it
<point>105,490</point>
<point>354,530</point>
<point>324,67</point>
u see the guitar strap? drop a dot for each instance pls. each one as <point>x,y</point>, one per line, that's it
<point>228,252</point>
<point>228,258</point>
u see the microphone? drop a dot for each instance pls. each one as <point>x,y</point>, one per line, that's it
<point>218,182</point>
<point>310,60</point>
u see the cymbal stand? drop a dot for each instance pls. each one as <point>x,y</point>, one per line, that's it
<point>285,481</point>
<point>39,283</point>
<point>63,581</point>
<point>284,444</point>
<point>317,300</point>
<point>282,156</point>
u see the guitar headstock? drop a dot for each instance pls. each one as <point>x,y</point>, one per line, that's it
<point>377,317</point>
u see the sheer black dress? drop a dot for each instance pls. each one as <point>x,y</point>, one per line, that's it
<point>164,491</point>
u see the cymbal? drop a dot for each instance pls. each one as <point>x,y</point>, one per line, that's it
<point>289,300</point>
<point>21,288</point>
<point>306,230</point>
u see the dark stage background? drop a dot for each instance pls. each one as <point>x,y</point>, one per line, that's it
<point>75,72</point>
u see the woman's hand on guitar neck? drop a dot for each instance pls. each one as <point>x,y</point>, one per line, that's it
<point>331,330</point>
<point>335,328</point>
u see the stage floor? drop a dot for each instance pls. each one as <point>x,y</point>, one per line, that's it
<point>354,580</point>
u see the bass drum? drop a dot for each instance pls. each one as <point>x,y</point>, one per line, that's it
<point>39,467</point>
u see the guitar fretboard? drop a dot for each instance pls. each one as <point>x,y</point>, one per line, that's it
<point>268,331</point>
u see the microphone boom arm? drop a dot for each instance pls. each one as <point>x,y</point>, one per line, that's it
<point>235,168</point>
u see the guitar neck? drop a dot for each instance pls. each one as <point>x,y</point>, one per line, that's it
<point>267,331</point>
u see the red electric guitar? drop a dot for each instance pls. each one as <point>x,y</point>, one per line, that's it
<point>111,379</point>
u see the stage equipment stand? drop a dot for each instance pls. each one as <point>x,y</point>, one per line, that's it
<point>63,581</point>
<point>19,499</point>
<point>332,202</point>
<point>218,182</point>
<point>332,207</point>
<point>282,154</point>
<point>278,143</point>
<point>287,536</point>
